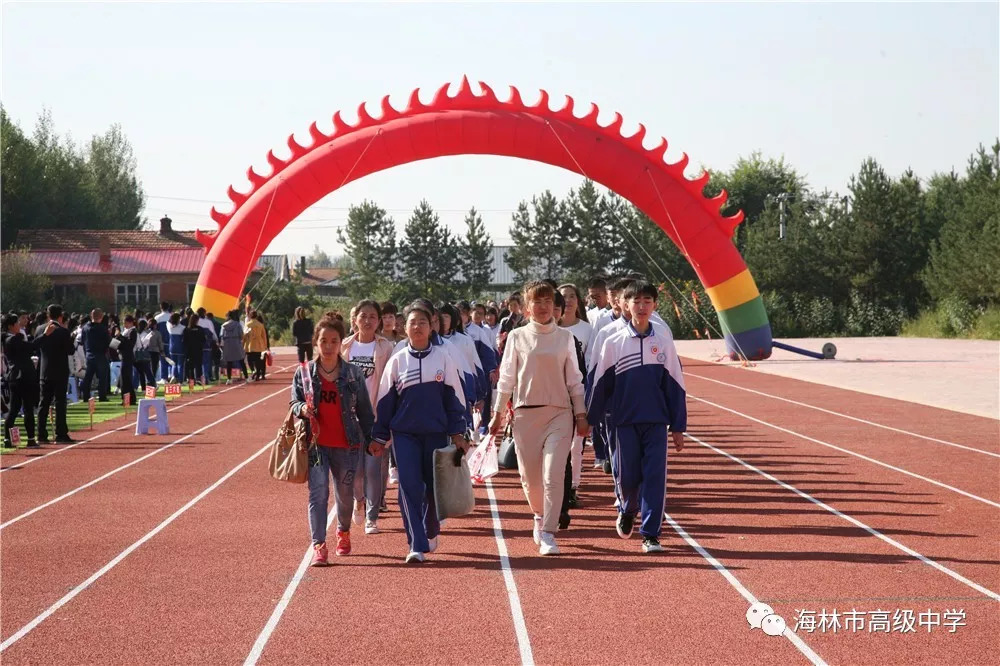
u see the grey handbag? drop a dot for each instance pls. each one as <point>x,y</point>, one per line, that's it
<point>453,492</point>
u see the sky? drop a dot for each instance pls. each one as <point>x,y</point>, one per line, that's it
<point>202,91</point>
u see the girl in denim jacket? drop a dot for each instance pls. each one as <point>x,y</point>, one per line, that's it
<point>334,399</point>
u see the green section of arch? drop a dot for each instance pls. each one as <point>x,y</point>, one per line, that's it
<point>745,317</point>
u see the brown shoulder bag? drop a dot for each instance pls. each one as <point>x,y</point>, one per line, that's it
<point>289,459</point>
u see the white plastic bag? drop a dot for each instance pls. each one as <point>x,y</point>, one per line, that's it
<point>483,460</point>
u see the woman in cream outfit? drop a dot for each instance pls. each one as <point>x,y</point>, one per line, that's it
<point>540,374</point>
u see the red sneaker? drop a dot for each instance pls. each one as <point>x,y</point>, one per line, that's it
<point>343,543</point>
<point>320,555</point>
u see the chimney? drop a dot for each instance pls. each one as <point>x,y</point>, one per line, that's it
<point>165,226</point>
<point>104,250</point>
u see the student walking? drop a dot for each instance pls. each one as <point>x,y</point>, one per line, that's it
<point>370,353</point>
<point>302,331</point>
<point>540,375</point>
<point>21,378</point>
<point>639,381</point>
<point>420,403</point>
<point>339,409</point>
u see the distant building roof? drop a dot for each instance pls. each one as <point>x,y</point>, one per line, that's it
<point>315,277</point>
<point>78,240</point>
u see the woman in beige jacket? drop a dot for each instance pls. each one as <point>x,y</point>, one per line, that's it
<point>540,374</point>
<point>370,352</point>
<point>255,344</point>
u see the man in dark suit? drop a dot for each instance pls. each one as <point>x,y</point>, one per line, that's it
<point>54,348</point>
<point>126,352</point>
<point>96,340</point>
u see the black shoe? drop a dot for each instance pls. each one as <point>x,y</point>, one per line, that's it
<point>564,520</point>
<point>626,521</point>
<point>607,467</point>
<point>651,545</point>
<point>32,444</point>
<point>103,400</point>
<point>573,500</point>
<point>65,439</point>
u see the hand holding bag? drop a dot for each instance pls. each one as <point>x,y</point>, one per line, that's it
<point>289,459</point>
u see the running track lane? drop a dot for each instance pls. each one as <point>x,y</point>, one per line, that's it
<point>968,471</point>
<point>86,463</point>
<point>798,556</point>
<point>68,541</point>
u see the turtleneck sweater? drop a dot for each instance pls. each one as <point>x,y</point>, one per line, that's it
<point>539,368</point>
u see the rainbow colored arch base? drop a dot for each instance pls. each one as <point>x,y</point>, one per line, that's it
<point>481,124</point>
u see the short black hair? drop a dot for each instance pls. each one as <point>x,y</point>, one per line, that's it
<point>641,288</point>
<point>418,307</point>
<point>597,283</point>
<point>55,311</point>
<point>10,319</point>
<point>424,303</point>
<point>623,284</point>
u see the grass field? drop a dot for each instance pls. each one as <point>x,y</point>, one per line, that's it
<point>78,416</point>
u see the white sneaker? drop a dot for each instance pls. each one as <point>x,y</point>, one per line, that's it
<point>359,512</point>
<point>432,544</point>
<point>371,527</point>
<point>598,463</point>
<point>548,544</point>
<point>415,558</point>
<point>536,532</point>
<point>393,475</point>
<point>442,523</point>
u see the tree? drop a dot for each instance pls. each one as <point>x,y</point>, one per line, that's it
<point>523,258</point>
<point>476,255</point>
<point>370,241</point>
<point>22,289</point>
<point>964,261</point>
<point>548,229</point>
<point>50,183</point>
<point>585,245</point>
<point>427,254</point>
<point>319,258</point>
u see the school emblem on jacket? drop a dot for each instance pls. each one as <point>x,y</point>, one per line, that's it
<point>439,376</point>
<point>654,350</point>
<point>661,357</point>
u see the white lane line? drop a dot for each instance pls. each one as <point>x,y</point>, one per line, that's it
<point>520,628</point>
<point>126,426</point>
<point>854,521</point>
<point>279,610</point>
<point>138,460</point>
<point>744,592</point>
<point>846,416</point>
<point>853,453</point>
<point>23,631</point>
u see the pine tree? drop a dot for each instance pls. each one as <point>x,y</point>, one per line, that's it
<point>476,255</point>
<point>547,235</point>
<point>427,262</point>
<point>370,241</point>
<point>585,246</point>
<point>523,258</point>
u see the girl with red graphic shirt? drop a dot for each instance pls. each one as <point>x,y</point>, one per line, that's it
<point>334,398</point>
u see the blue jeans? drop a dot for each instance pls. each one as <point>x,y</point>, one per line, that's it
<point>100,366</point>
<point>206,363</point>
<point>376,478</point>
<point>178,359</point>
<point>325,461</point>
<point>415,462</point>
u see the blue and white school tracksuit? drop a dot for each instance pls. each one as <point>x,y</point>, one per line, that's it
<point>465,372</point>
<point>487,353</point>
<point>640,383</point>
<point>175,335</point>
<point>420,403</point>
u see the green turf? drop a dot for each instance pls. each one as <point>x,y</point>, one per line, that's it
<point>78,415</point>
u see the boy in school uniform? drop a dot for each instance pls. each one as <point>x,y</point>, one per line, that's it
<point>638,380</point>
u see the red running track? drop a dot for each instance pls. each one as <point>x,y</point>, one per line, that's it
<point>195,576</point>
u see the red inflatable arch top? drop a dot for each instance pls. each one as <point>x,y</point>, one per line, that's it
<point>483,124</point>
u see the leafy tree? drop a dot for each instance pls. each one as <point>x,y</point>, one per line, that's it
<point>547,234</point>
<point>21,289</point>
<point>964,263</point>
<point>48,182</point>
<point>370,241</point>
<point>320,259</point>
<point>476,255</point>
